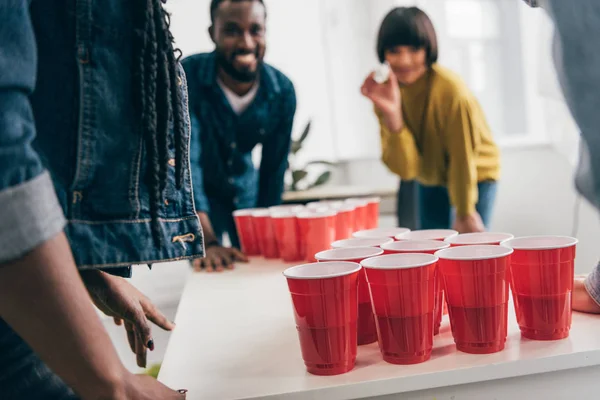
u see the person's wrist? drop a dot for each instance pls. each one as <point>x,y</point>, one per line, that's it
<point>393,120</point>
<point>111,383</point>
<point>212,243</point>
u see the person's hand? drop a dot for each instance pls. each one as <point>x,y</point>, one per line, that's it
<point>143,387</point>
<point>385,96</point>
<point>219,258</point>
<point>117,298</point>
<point>582,301</point>
<point>469,224</point>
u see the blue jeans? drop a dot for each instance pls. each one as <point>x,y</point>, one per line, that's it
<point>435,211</point>
<point>23,375</point>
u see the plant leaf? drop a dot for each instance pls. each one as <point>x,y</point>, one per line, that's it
<point>321,162</point>
<point>305,133</point>
<point>297,176</point>
<point>321,180</point>
<point>295,147</point>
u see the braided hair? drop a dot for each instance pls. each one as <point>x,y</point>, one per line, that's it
<point>158,102</point>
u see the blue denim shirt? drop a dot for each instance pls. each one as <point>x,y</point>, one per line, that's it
<point>71,150</point>
<point>577,63</point>
<point>222,141</point>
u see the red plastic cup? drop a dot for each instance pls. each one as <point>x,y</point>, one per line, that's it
<point>360,213</point>
<point>367,333</point>
<point>317,231</point>
<point>402,291</point>
<point>263,228</point>
<point>344,221</point>
<point>379,233</point>
<point>476,287</point>
<point>287,236</point>
<point>479,238</point>
<point>374,242</point>
<point>542,273</point>
<point>428,234</point>
<point>324,297</point>
<point>244,225</point>
<point>372,212</point>
<point>428,247</point>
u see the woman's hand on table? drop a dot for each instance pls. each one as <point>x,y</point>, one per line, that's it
<point>386,98</point>
<point>219,259</point>
<point>582,301</point>
<point>117,298</point>
<point>469,224</point>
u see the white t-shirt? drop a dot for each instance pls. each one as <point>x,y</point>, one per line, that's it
<point>239,104</point>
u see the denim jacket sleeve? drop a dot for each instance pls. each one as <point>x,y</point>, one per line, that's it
<point>29,209</point>
<point>200,200</point>
<point>275,154</point>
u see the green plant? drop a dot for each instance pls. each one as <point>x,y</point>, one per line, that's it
<point>299,175</point>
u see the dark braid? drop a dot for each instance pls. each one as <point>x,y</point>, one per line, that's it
<point>158,102</point>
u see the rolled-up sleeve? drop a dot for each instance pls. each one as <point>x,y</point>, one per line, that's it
<point>29,210</point>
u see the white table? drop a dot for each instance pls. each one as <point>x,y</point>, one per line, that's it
<point>334,192</point>
<point>236,339</point>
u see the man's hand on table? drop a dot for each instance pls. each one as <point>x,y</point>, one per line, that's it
<point>582,301</point>
<point>219,259</point>
<point>117,298</point>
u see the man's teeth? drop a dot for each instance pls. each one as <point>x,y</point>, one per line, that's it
<point>247,58</point>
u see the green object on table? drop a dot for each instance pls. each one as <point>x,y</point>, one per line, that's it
<point>153,370</point>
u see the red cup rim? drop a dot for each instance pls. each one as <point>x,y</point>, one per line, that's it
<point>480,238</point>
<point>283,214</point>
<point>357,202</point>
<point>374,199</point>
<point>416,246</point>
<point>371,242</point>
<point>315,205</point>
<point>474,253</point>
<point>261,213</point>
<point>547,242</point>
<point>316,214</point>
<point>379,232</point>
<point>321,270</point>
<point>428,234</point>
<point>246,212</point>
<point>399,261</point>
<point>286,208</point>
<point>348,253</point>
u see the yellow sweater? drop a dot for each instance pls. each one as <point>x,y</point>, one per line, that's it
<point>458,150</point>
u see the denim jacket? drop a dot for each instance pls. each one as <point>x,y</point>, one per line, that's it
<point>71,151</point>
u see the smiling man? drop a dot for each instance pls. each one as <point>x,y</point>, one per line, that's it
<point>236,102</point>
